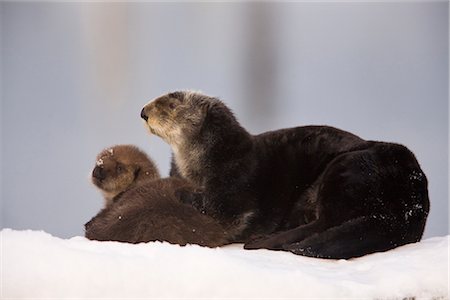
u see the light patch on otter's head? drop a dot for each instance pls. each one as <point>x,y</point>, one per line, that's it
<point>190,94</point>
<point>177,117</point>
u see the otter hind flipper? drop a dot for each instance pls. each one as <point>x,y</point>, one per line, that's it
<point>278,240</point>
<point>354,238</point>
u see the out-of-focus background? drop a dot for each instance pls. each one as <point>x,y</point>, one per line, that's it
<point>75,76</point>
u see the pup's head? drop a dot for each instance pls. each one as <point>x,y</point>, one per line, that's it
<point>177,116</point>
<point>120,168</point>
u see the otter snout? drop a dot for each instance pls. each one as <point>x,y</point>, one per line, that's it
<point>98,173</point>
<point>144,115</point>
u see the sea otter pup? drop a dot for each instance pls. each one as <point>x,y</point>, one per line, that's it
<point>121,168</point>
<point>319,191</point>
<point>141,207</point>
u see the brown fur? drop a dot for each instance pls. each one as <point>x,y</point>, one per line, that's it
<point>146,209</point>
<point>123,167</point>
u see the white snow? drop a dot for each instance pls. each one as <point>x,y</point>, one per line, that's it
<point>37,265</point>
<point>99,162</point>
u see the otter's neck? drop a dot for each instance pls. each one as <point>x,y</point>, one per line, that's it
<point>205,156</point>
<point>190,160</point>
<point>108,198</point>
<point>146,172</point>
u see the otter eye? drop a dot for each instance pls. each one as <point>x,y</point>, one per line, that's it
<point>172,105</point>
<point>119,168</point>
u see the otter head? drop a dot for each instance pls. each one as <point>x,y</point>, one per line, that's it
<point>121,168</point>
<point>177,116</point>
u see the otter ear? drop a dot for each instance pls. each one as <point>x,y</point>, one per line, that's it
<point>137,171</point>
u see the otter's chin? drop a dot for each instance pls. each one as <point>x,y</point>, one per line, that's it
<point>152,130</point>
<point>159,132</point>
<point>98,183</point>
<point>103,185</point>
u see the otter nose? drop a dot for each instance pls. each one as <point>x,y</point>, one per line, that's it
<point>98,173</point>
<point>143,115</point>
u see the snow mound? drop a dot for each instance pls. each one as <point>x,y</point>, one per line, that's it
<point>37,265</point>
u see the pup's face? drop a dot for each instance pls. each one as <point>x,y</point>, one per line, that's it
<point>111,175</point>
<point>176,116</point>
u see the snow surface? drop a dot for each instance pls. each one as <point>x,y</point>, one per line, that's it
<point>37,265</point>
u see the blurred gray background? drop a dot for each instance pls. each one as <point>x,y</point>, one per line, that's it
<point>75,76</point>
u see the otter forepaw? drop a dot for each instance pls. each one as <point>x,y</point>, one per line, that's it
<point>191,198</point>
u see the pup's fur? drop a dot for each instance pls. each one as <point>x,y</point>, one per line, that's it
<point>320,191</point>
<point>144,207</point>
<point>120,168</point>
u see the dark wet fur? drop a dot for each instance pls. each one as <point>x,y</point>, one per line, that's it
<point>314,190</point>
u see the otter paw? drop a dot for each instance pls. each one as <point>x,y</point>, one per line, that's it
<point>191,198</point>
